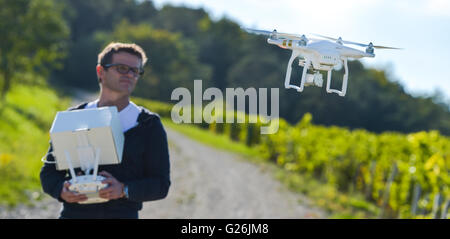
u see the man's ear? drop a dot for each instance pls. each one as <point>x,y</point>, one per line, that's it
<point>99,70</point>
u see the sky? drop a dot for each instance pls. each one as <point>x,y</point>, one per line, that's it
<point>420,27</point>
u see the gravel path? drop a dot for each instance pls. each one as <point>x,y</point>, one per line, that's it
<point>206,183</point>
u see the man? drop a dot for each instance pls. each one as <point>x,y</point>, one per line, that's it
<point>143,174</point>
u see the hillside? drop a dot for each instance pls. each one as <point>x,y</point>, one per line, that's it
<point>25,119</point>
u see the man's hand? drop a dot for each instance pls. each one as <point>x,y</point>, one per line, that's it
<point>115,188</point>
<point>71,197</point>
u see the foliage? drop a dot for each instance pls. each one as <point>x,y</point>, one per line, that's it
<point>32,35</point>
<point>363,161</point>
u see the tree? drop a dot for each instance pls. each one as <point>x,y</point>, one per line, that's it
<point>32,37</point>
<point>220,47</point>
<point>86,17</point>
<point>180,19</point>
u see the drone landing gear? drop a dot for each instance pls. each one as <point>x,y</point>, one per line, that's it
<point>287,80</point>
<point>314,79</point>
<point>344,81</point>
<point>307,79</point>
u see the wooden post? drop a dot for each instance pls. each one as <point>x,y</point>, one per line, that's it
<point>445,210</point>
<point>416,197</point>
<point>353,185</point>
<point>369,187</point>
<point>436,205</point>
<point>388,190</point>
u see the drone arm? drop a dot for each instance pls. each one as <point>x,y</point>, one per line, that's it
<point>344,81</point>
<point>287,81</point>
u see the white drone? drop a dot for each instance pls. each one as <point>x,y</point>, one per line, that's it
<point>317,55</point>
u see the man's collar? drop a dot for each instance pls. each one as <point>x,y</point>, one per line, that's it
<point>144,116</point>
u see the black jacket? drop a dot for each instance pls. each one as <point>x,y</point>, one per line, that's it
<point>145,168</point>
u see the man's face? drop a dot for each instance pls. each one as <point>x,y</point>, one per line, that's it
<point>120,82</point>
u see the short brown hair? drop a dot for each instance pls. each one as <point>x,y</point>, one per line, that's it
<point>105,57</point>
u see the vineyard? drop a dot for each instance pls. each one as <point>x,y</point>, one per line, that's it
<point>404,175</point>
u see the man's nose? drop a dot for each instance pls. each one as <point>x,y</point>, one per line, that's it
<point>131,74</point>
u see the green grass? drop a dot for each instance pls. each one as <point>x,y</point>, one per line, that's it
<point>25,119</point>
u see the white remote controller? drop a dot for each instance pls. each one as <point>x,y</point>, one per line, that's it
<point>86,185</point>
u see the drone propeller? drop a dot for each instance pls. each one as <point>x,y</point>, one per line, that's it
<point>259,32</point>
<point>275,33</point>
<point>370,45</point>
<point>291,36</point>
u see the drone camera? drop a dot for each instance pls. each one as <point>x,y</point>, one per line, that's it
<point>314,79</point>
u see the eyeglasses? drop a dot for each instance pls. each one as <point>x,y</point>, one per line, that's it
<point>124,69</point>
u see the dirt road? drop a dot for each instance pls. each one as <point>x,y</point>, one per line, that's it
<point>208,183</point>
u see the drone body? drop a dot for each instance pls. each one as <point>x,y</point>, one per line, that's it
<point>317,55</point>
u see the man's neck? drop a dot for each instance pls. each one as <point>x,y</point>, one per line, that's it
<point>111,99</point>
